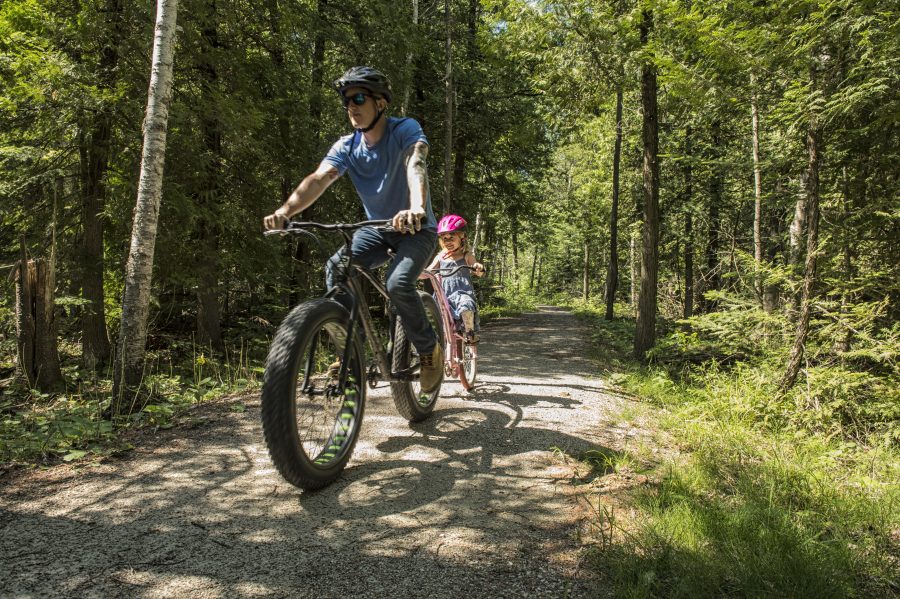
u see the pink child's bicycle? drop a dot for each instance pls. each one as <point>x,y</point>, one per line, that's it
<point>460,358</point>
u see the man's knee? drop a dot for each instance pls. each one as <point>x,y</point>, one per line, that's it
<point>400,286</point>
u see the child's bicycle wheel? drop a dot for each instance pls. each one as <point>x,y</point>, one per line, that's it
<point>468,366</point>
<point>410,401</point>
<point>310,423</point>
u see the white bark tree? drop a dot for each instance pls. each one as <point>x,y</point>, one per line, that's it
<point>129,365</point>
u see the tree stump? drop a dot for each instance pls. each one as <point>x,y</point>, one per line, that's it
<point>37,355</point>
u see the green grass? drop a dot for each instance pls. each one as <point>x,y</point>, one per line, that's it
<point>761,500</point>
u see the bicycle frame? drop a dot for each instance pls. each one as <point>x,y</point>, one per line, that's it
<point>360,313</point>
<point>453,341</point>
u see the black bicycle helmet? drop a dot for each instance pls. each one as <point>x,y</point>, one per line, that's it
<point>367,78</point>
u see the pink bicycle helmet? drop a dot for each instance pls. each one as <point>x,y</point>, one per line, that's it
<point>451,223</point>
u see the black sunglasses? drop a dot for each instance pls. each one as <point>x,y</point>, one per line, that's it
<point>359,99</point>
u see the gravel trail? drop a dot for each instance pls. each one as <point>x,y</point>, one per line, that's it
<point>478,501</point>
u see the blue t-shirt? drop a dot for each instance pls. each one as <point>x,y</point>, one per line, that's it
<point>379,173</point>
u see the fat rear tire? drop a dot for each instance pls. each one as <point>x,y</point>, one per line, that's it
<point>412,404</point>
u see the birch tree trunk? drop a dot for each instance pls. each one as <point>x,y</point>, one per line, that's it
<point>633,266</point>
<point>757,190</point>
<point>645,331</point>
<point>477,237</point>
<point>129,365</point>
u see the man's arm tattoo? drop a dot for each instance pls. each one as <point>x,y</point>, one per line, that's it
<point>417,174</point>
<point>417,159</point>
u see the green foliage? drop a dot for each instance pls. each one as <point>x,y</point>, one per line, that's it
<point>506,302</point>
<point>751,515</point>
<point>770,495</point>
<point>739,330</point>
<point>41,427</point>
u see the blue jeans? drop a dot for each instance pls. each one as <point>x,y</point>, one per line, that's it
<point>411,255</point>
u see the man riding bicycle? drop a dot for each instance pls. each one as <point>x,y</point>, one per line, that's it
<point>386,160</point>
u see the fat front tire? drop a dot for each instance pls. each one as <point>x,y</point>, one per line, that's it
<point>311,424</point>
<point>412,404</point>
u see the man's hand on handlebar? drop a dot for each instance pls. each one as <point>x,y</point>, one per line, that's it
<point>408,221</point>
<point>276,220</point>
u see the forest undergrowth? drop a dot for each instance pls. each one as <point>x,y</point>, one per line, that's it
<point>42,428</point>
<point>768,494</point>
<point>45,428</point>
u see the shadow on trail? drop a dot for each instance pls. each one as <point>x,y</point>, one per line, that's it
<point>148,558</point>
<point>202,512</point>
<point>181,513</point>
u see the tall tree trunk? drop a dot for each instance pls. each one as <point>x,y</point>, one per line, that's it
<point>712,276</point>
<point>612,271</point>
<point>798,226</point>
<point>410,65</point>
<point>95,345</point>
<point>25,322</point>
<point>688,227</point>
<point>534,263</point>
<point>209,330</point>
<point>514,240</point>
<point>448,106</point>
<point>844,342</point>
<point>774,230</point>
<point>645,331</point>
<point>813,142</point>
<point>633,267</point>
<point>129,366</point>
<point>586,271</point>
<point>459,170</point>
<point>477,237</point>
<point>757,190</point>
<point>301,272</point>
<point>460,138</point>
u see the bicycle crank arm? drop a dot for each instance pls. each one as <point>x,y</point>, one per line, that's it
<point>407,374</point>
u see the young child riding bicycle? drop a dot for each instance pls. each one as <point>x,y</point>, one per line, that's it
<point>386,161</point>
<point>458,287</point>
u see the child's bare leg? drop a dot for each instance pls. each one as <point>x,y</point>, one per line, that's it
<point>468,318</point>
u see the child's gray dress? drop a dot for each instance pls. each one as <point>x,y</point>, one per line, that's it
<point>459,289</point>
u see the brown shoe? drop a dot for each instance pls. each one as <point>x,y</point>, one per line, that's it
<point>432,372</point>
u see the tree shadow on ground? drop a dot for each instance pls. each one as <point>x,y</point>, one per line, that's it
<point>177,517</point>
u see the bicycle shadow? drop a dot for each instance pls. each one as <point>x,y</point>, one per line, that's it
<point>450,453</point>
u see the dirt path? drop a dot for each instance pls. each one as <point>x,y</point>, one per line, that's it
<point>475,502</point>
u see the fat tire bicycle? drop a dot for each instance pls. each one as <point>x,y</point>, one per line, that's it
<point>317,370</point>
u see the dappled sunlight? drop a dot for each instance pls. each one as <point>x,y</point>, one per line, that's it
<point>482,485</point>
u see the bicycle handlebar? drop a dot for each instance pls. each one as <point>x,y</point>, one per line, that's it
<point>449,272</point>
<point>298,226</point>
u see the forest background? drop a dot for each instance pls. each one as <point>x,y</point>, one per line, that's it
<point>712,185</point>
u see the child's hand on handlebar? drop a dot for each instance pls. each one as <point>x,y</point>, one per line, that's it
<point>478,269</point>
